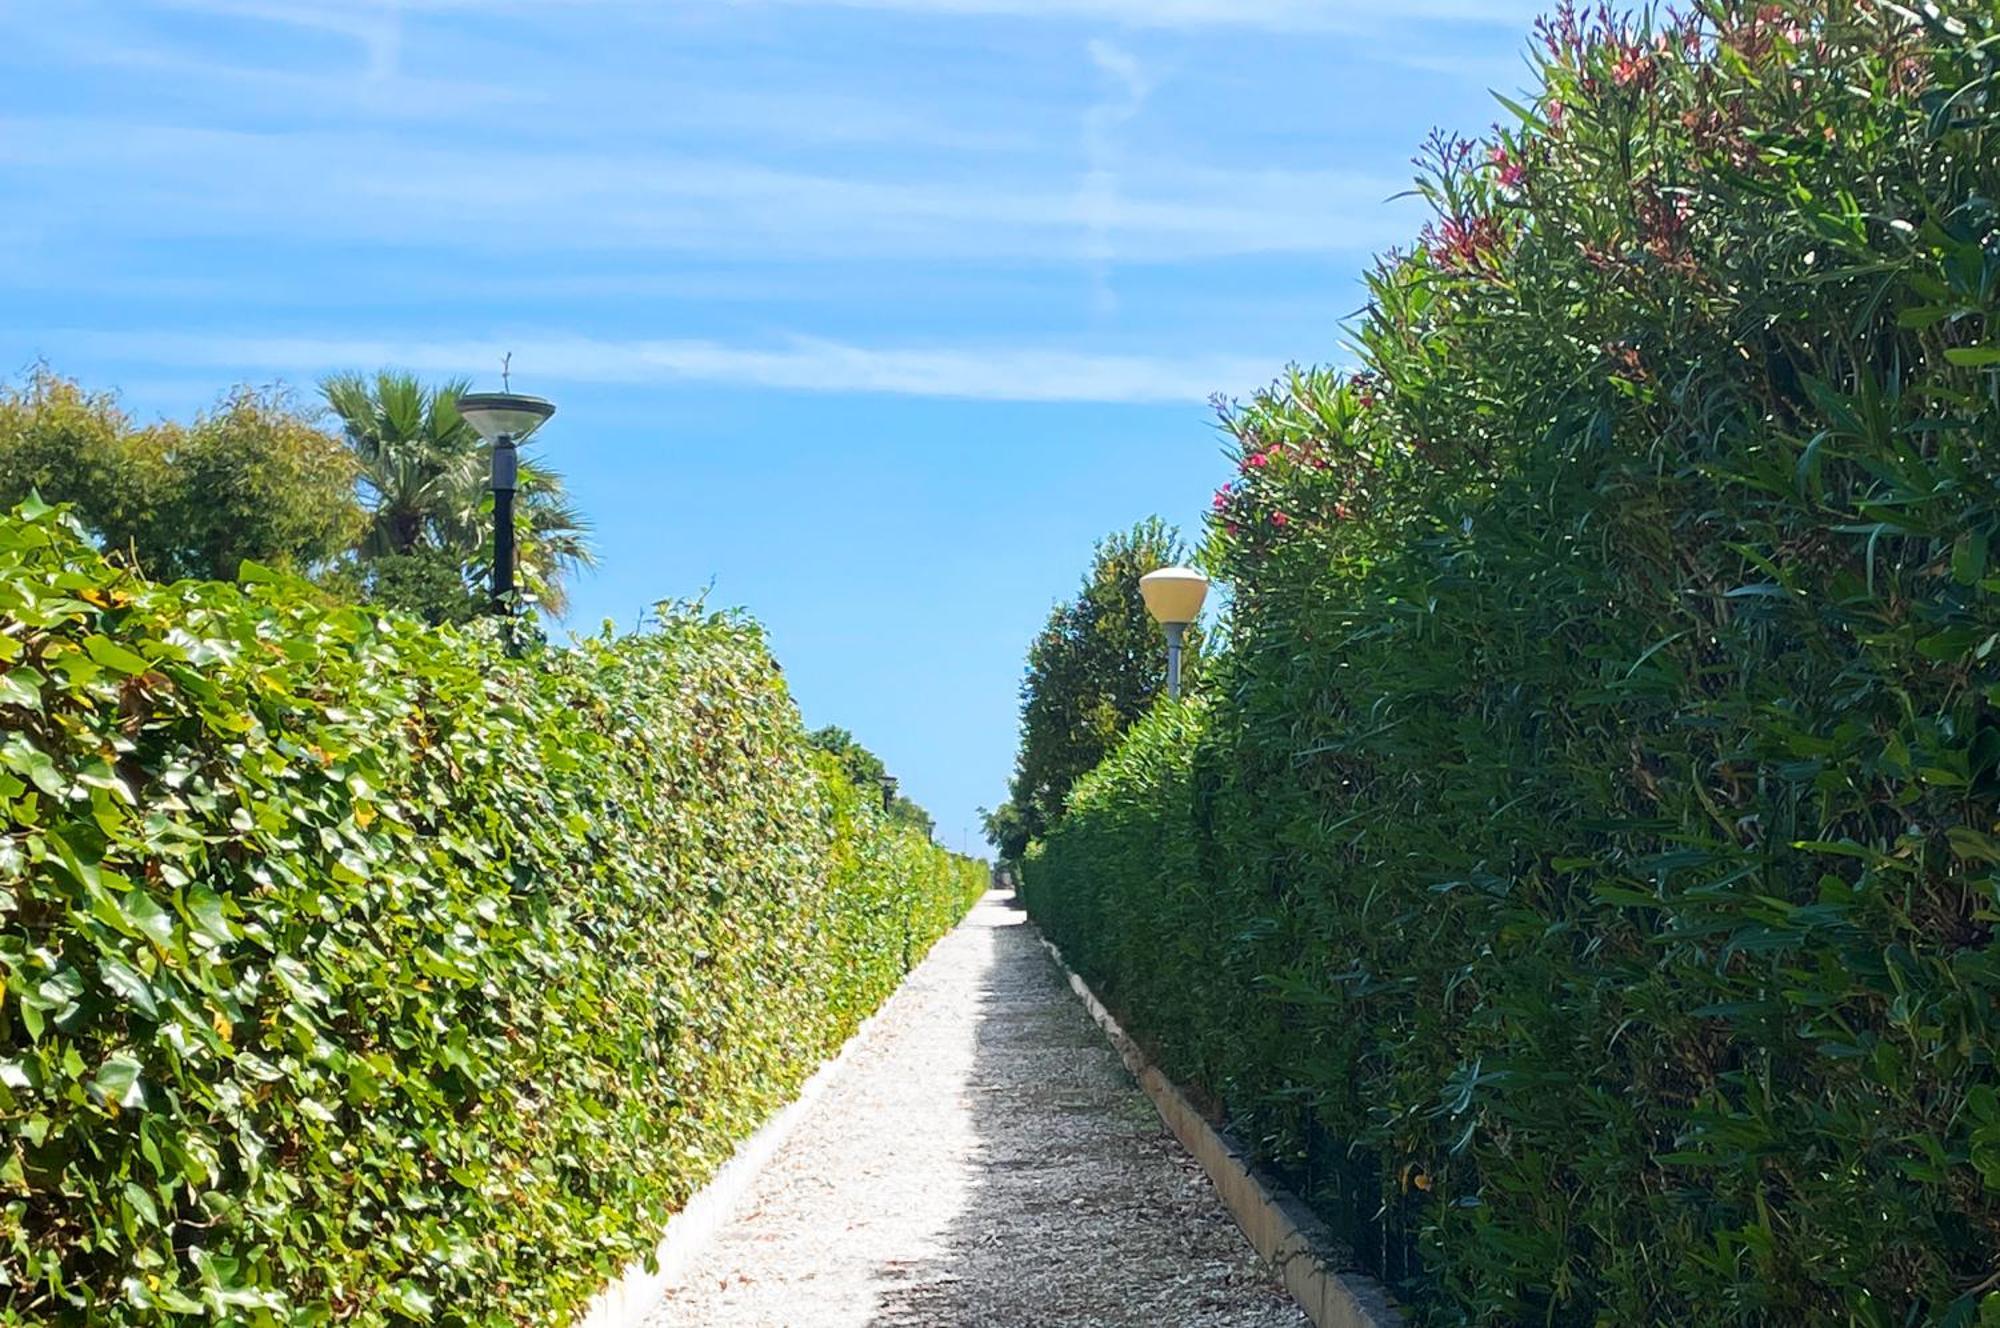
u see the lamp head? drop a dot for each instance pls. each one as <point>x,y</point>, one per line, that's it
<point>1174,595</point>
<point>496,415</point>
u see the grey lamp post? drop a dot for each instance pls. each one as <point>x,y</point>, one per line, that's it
<point>504,420</point>
<point>888,793</point>
<point>1174,596</point>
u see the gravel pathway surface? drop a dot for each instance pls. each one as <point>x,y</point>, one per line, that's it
<point>984,1160</point>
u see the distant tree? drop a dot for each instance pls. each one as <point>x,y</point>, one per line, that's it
<point>424,480</point>
<point>251,479</point>
<point>863,767</point>
<point>1006,829</point>
<point>865,770</point>
<point>71,446</point>
<point>1096,667</point>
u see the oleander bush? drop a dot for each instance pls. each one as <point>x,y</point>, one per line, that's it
<point>1581,874</point>
<point>355,972</point>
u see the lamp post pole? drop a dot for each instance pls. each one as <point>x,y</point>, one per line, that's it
<point>1176,635</point>
<point>506,478</point>
<point>1174,597</point>
<point>504,420</point>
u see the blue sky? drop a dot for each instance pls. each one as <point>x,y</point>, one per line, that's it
<point>871,315</point>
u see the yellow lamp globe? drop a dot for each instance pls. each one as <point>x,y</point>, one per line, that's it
<point>1174,595</point>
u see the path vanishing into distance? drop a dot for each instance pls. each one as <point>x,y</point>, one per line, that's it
<point>982,1159</point>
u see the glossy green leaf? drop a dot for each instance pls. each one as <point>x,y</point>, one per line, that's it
<point>114,656</point>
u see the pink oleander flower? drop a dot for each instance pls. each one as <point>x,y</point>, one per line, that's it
<point>1635,69</point>
<point>1464,244</point>
<point>1280,520</point>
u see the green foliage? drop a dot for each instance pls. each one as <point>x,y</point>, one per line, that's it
<point>252,478</point>
<point>1006,828</point>
<point>1126,830</point>
<point>355,972</point>
<point>427,583</point>
<point>397,511</point>
<point>426,479</point>
<point>864,770</point>
<point>1095,668</point>
<point>1583,878</point>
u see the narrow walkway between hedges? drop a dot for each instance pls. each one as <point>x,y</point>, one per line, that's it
<point>984,1159</point>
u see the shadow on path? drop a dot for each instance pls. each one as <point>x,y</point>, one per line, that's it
<point>1082,1209</point>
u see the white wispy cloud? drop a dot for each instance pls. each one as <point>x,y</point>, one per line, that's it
<point>361,186</point>
<point>170,43</point>
<point>1273,15</point>
<point>801,364</point>
<point>263,82</point>
<point>376,25</point>
<point>1102,184</point>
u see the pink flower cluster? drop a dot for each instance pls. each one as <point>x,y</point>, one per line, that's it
<point>1634,69</point>
<point>1718,132</point>
<point>1626,362</point>
<point>1303,453</point>
<point>1663,223</point>
<point>1468,245</point>
<point>1279,489</point>
<point>1757,39</point>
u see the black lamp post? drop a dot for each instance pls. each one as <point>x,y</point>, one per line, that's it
<point>504,420</point>
<point>888,793</point>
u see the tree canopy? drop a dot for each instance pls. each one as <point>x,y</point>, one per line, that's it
<point>393,509</point>
<point>252,478</point>
<point>865,770</point>
<point>1093,671</point>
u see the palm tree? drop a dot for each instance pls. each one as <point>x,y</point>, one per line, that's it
<point>424,480</point>
<point>421,468</point>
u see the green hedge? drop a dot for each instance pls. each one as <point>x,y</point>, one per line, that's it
<point>1583,878</point>
<point>354,972</point>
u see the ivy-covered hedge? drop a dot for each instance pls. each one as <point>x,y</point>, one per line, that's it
<point>356,973</point>
<point>1583,877</point>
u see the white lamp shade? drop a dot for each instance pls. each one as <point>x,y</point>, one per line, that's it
<point>1174,594</point>
<point>496,414</point>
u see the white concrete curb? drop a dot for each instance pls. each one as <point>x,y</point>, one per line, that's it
<point>632,1298</point>
<point>1279,1226</point>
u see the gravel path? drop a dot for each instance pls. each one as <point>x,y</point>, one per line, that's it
<point>984,1160</point>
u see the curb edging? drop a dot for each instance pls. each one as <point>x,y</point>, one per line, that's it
<point>630,1300</point>
<point>1278,1224</point>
